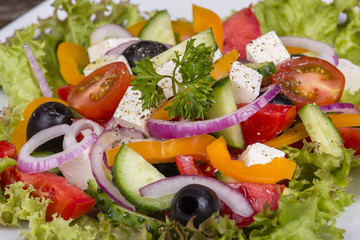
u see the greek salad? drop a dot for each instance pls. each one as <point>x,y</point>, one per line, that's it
<point>123,124</point>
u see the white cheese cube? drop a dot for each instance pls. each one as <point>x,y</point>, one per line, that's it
<point>100,62</point>
<point>165,83</point>
<point>259,153</point>
<point>98,50</point>
<point>245,82</point>
<point>130,114</point>
<point>267,48</point>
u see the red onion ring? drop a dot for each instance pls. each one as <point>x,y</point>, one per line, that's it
<point>340,108</point>
<point>30,164</point>
<point>44,86</point>
<point>167,129</point>
<point>104,143</point>
<point>324,50</point>
<point>120,48</point>
<point>170,185</point>
<point>108,31</point>
<point>77,171</point>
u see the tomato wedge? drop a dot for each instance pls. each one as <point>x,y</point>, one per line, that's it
<point>268,123</point>
<point>67,200</point>
<point>98,94</point>
<point>309,80</point>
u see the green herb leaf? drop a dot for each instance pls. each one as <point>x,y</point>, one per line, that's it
<point>193,94</point>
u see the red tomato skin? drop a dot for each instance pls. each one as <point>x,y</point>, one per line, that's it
<point>64,91</point>
<point>303,85</point>
<point>67,200</point>
<point>240,29</point>
<point>186,165</point>
<point>351,137</point>
<point>7,149</point>
<point>97,96</point>
<point>268,122</point>
<point>258,195</point>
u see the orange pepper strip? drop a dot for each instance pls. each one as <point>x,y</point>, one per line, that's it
<point>204,19</point>
<point>72,58</point>
<point>166,151</point>
<point>296,50</point>
<point>278,169</point>
<point>161,113</point>
<point>18,137</point>
<point>136,28</point>
<point>182,29</point>
<point>298,132</point>
<point>223,65</point>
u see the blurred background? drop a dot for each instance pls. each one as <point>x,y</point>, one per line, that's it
<point>12,9</point>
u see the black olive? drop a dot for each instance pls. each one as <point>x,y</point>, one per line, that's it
<point>141,50</point>
<point>194,200</point>
<point>47,115</point>
<point>280,99</point>
<point>167,169</point>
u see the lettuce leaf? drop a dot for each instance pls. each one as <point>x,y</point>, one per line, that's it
<point>16,76</point>
<point>314,19</point>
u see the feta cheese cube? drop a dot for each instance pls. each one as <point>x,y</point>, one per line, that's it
<point>102,61</point>
<point>130,114</point>
<point>245,82</point>
<point>351,73</point>
<point>98,50</point>
<point>267,48</point>
<point>259,153</point>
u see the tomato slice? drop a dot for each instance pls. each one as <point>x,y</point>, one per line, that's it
<point>7,150</point>
<point>268,122</point>
<point>309,80</point>
<point>98,94</point>
<point>351,138</point>
<point>258,195</point>
<point>64,91</point>
<point>68,200</point>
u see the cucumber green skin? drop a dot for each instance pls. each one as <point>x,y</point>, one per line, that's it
<point>116,213</point>
<point>225,104</point>
<point>131,172</point>
<point>206,37</point>
<point>321,129</point>
<point>266,69</point>
<point>222,177</point>
<point>159,29</point>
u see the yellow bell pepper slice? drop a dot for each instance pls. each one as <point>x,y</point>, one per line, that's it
<point>73,58</point>
<point>136,28</point>
<point>223,65</point>
<point>204,18</point>
<point>298,132</point>
<point>275,171</point>
<point>166,151</point>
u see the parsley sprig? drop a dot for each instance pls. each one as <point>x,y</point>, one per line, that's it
<point>193,94</point>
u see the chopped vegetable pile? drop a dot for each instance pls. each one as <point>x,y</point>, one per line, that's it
<point>129,125</point>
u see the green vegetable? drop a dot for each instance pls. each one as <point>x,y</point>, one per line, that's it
<point>297,18</point>
<point>193,95</point>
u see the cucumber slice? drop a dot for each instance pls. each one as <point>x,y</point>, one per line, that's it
<point>266,69</point>
<point>321,129</point>
<point>206,37</point>
<point>222,177</point>
<point>131,172</point>
<point>159,29</point>
<point>119,214</point>
<point>225,104</point>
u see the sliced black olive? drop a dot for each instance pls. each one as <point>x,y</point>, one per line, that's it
<point>47,115</point>
<point>280,99</point>
<point>194,200</point>
<point>167,169</point>
<point>142,49</point>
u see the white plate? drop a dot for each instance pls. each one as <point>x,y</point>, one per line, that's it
<point>349,220</point>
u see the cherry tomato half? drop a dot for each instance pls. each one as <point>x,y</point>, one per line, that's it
<point>98,94</point>
<point>309,80</point>
<point>268,122</point>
